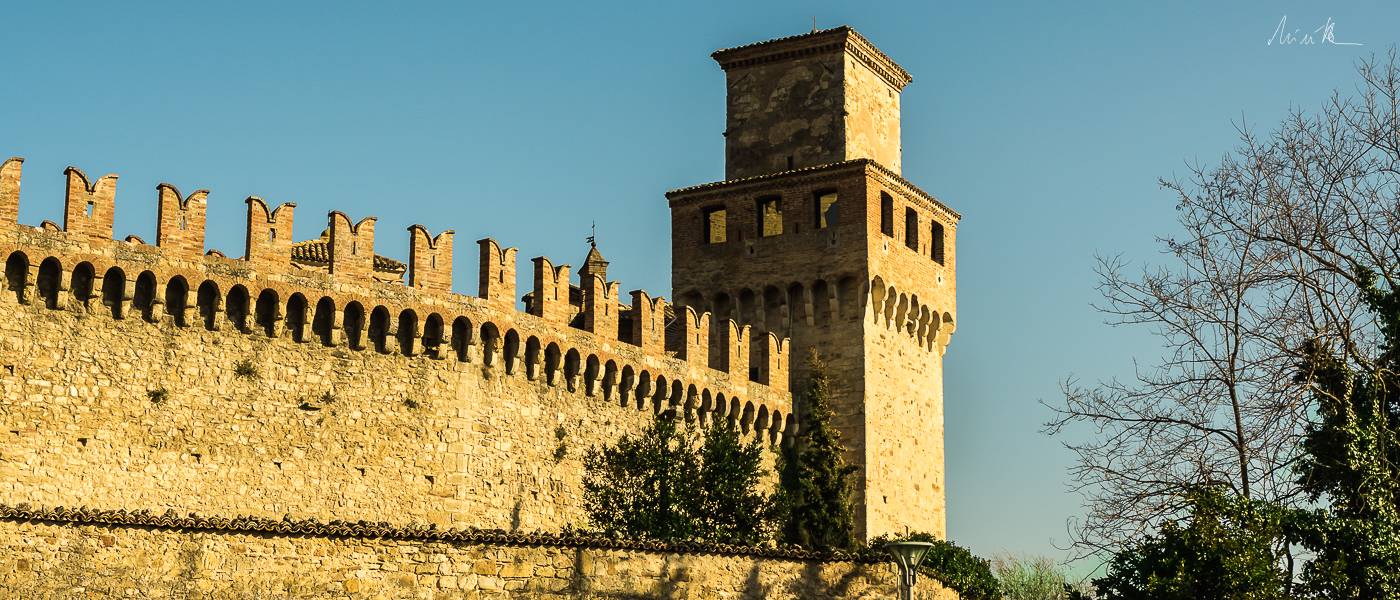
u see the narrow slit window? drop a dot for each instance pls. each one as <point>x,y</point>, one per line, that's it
<point>936,241</point>
<point>716,226</point>
<point>911,229</point>
<point>770,216</point>
<point>886,214</point>
<point>825,204</point>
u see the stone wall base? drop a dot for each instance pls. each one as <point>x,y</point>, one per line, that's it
<point>40,559</point>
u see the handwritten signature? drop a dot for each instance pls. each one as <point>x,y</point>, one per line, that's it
<point>1296,37</point>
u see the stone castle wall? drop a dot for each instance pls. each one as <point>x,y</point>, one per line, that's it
<point>51,554</point>
<point>162,377</point>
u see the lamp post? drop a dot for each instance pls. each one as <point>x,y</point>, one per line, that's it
<point>907,555</point>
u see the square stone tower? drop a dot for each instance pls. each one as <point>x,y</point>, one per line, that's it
<point>814,235</point>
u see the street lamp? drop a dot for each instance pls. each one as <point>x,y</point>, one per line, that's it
<point>907,555</point>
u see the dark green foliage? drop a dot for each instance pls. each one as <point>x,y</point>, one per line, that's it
<point>245,369</point>
<point>666,485</point>
<point>1352,462</point>
<point>561,449</point>
<point>952,565</point>
<point>645,487</point>
<point>733,508</point>
<point>158,395</point>
<point>1228,549</point>
<point>815,491</point>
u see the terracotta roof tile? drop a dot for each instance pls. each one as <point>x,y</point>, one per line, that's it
<point>317,253</point>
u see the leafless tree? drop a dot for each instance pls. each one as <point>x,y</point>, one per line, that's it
<point>1272,242</point>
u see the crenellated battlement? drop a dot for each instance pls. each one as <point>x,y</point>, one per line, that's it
<point>595,345</point>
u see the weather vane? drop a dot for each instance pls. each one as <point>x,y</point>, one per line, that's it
<point>593,238</point>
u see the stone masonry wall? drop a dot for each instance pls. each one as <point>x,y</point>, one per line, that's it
<point>46,559</point>
<point>164,377</point>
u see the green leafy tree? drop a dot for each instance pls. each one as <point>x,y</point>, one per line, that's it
<point>646,486</point>
<point>815,491</point>
<point>955,567</point>
<point>1229,548</point>
<point>1352,461</point>
<point>732,505</point>
<point>664,484</point>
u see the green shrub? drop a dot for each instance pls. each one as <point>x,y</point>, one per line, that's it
<point>245,369</point>
<point>955,567</point>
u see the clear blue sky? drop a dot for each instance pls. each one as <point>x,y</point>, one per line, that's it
<point>1045,124</point>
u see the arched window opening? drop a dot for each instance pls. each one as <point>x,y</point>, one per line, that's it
<point>323,321</point>
<point>238,299</point>
<point>462,338</point>
<point>432,336</point>
<point>408,333</point>
<point>379,329</point>
<point>209,300</point>
<point>83,278</point>
<point>692,401</point>
<point>354,325</point>
<point>49,281</point>
<point>114,291</point>
<point>591,372</point>
<point>144,298</point>
<point>609,379</point>
<point>821,304</point>
<point>659,395</point>
<point>748,311</point>
<point>512,352</point>
<point>297,306</point>
<point>624,387</point>
<point>848,297</point>
<point>177,295</point>
<point>644,389</point>
<point>552,357</point>
<point>532,358</point>
<point>490,339</point>
<point>17,274</point>
<point>571,369</point>
<point>266,314</point>
<point>775,311</point>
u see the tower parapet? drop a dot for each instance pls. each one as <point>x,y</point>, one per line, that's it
<point>808,100</point>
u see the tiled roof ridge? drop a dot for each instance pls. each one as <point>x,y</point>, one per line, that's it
<point>361,529</point>
<point>317,252</point>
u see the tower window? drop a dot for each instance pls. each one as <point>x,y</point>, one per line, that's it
<point>770,216</point>
<point>825,204</point>
<point>911,229</point>
<point>936,241</point>
<point>886,214</point>
<point>715,226</point>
